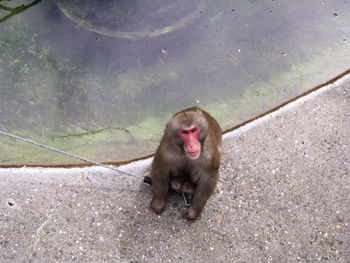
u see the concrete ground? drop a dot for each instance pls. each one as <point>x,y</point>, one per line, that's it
<point>283,196</point>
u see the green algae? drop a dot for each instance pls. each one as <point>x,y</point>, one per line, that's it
<point>11,11</point>
<point>90,133</point>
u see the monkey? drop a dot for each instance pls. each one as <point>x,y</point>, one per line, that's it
<point>187,159</point>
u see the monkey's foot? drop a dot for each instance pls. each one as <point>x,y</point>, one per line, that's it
<point>158,205</point>
<point>192,214</point>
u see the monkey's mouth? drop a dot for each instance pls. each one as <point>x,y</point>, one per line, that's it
<point>193,154</point>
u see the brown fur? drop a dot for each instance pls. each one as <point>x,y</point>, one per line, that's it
<point>172,168</point>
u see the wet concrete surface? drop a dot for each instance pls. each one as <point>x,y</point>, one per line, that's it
<point>283,196</point>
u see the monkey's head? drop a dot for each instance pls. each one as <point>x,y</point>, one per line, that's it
<point>188,129</point>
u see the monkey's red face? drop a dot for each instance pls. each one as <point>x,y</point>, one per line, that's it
<point>192,145</point>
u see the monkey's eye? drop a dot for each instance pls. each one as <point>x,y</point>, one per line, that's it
<point>184,132</point>
<point>194,130</point>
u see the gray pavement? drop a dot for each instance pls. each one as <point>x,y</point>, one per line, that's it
<point>283,196</point>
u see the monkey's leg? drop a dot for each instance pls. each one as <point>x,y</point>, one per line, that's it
<point>160,188</point>
<point>205,187</point>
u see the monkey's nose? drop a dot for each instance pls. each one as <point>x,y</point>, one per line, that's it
<point>190,143</point>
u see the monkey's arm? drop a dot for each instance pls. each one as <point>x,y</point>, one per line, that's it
<point>160,185</point>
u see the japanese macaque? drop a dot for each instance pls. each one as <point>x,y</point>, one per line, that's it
<point>187,160</point>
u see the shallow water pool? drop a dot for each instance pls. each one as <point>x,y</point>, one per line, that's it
<point>100,81</point>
